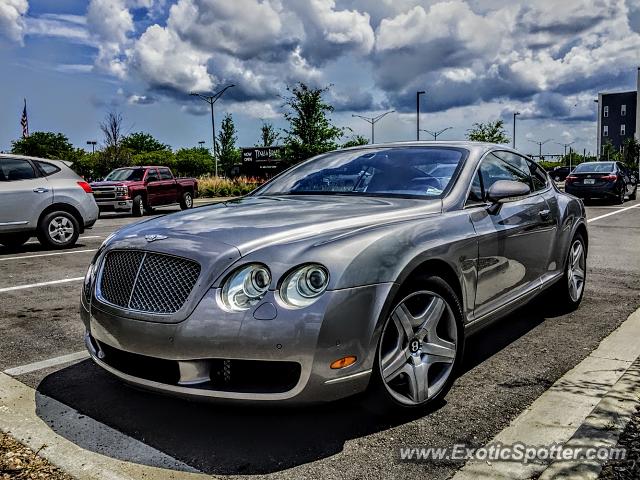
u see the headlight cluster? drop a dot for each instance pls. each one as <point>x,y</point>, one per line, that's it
<point>122,191</point>
<point>245,287</point>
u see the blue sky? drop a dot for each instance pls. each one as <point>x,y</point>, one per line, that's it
<point>75,61</point>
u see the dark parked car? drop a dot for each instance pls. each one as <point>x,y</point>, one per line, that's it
<point>611,180</point>
<point>559,174</point>
<point>360,269</point>
<point>138,189</point>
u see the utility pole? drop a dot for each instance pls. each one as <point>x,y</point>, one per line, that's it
<point>372,121</point>
<point>540,145</point>
<point>93,145</point>
<point>422,92</point>
<point>201,143</point>
<point>436,134</point>
<point>565,145</point>
<point>513,141</point>
<point>211,99</point>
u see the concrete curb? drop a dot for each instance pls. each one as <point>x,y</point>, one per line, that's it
<point>581,404</point>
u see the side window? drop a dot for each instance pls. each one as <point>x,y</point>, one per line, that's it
<point>476,193</point>
<point>14,169</point>
<point>518,166</point>
<point>152,175</point>
<point>494,168</point>
<point>538,176</point>
<point>165,174</point>
<point>46,169</point>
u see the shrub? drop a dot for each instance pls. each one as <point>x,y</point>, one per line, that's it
<point>224,187</point>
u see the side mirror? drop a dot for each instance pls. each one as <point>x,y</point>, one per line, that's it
<point>505,190</point>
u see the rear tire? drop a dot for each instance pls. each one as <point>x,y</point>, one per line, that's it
<point>186,202</point>
<point>435,350</point>
<point>567,293</point>
<point>58,230</point>
<point>137,210</point>
<point>633,195</point>
<point>14,240</point>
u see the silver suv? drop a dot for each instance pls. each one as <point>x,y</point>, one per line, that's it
<point>43,198</point>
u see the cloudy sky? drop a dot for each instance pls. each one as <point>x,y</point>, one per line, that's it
<point>478,60</point>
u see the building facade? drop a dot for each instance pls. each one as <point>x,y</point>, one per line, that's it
<point>618,117</point>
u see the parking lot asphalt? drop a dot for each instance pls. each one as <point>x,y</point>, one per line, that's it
<point>507,366</point>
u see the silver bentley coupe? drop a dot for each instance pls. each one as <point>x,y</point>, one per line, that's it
<point>359,270</point>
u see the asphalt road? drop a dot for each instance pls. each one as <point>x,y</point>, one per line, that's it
<point>507,366</point>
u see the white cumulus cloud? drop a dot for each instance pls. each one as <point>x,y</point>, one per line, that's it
<point>12,14</point>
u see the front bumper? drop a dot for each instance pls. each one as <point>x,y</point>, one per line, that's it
<point>341,323</point>
<point>115,205</point>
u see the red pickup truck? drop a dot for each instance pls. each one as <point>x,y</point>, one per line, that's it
<point>138,189</point>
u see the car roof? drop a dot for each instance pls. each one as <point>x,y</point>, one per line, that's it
<point>66,163</point>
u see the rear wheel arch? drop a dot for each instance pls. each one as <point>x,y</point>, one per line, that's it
<point>65,207</point>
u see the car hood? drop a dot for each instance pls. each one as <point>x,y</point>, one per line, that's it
<point>111,184</point>
<point>250,223</point>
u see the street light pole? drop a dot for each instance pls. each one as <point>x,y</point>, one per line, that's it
<point>436,134</point>
<point>422,92</point>
<point>540,145</point>
<point>373,121</point>
<point>211,99</point>
<point>513,141</point>
<point>93,145</point>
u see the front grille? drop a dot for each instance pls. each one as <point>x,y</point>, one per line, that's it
<point>104,193</point>
<point>146,281</point>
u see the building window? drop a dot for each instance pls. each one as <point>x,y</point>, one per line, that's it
<point>605,112</point>
<point>605,131</point>
<point>623,130</point>
<point>623,110</point>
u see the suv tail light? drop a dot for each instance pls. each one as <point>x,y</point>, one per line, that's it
<point>86,187</point>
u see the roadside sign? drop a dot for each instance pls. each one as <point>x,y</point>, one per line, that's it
<point>262,161</point>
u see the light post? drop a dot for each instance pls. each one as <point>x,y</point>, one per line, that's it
<point>513,141</point>
<point>372,121</point>
<point>211,99</point>
<point>201,143</point>
<point>540,145</point>
<point>565,145</point>
<point>93,145</point>
<point>435,135</point>
<point>421,92</point>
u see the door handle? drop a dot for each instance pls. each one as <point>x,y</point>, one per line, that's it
<point>40,190</point>
<point>545,214</point>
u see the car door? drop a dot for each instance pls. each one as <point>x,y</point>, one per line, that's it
<point>24,195</point>
<point>154,187</point>
<point>169,187</point>
<point>513,237</point>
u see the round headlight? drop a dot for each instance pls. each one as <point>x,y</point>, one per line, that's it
<point>304,285</point>
<point>246,287</point>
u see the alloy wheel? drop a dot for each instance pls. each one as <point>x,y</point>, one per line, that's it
<point>418,348</point>
<point>60,230</point>
<point>188,201</point>
<point>576,270</point>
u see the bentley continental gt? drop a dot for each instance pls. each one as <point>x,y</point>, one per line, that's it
<point>359,270</point>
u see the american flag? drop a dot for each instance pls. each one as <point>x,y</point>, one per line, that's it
<point>24,121</point>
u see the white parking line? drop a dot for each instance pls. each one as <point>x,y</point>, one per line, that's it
<point>81,237</point>
<point>4,259</point>
<point>613,213</point>
<point>41,284</point>
<point>51,362</point>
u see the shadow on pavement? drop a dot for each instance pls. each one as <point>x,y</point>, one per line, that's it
<point>237,439</point>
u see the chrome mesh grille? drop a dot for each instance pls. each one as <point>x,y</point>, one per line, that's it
<point>147,282</point>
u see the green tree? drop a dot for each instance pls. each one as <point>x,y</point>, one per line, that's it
<point>114,154</point>
<point>631,152</point>
<point>609,152</point>
<point>228,154</point>
<point>355,141</point>
<point>268,135</point>
<point>164,158</point>
<point>193,162</point>
<point>492,132</point>
<point>44,145</point>
<point>310,129</point>
<point>141,142</point>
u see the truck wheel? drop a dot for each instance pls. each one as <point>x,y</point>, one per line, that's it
<point>58,230</point>
<point>14,240</point>
<point>186,202</point>
<point>137,210</point>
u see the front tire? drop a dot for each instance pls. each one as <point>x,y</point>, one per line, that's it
<point>14,240</point>
<point>186,202</point>
<point>137,210</point>
<point>58,230</point>
<point>420,349</point>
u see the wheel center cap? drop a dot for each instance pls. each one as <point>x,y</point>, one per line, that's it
<point>414,345</point>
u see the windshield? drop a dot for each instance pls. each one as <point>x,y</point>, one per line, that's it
<point>594,167</point>
<point>401,171</point>
<point>124,174</point>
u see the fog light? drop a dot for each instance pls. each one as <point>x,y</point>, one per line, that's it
<point>343,362</point>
